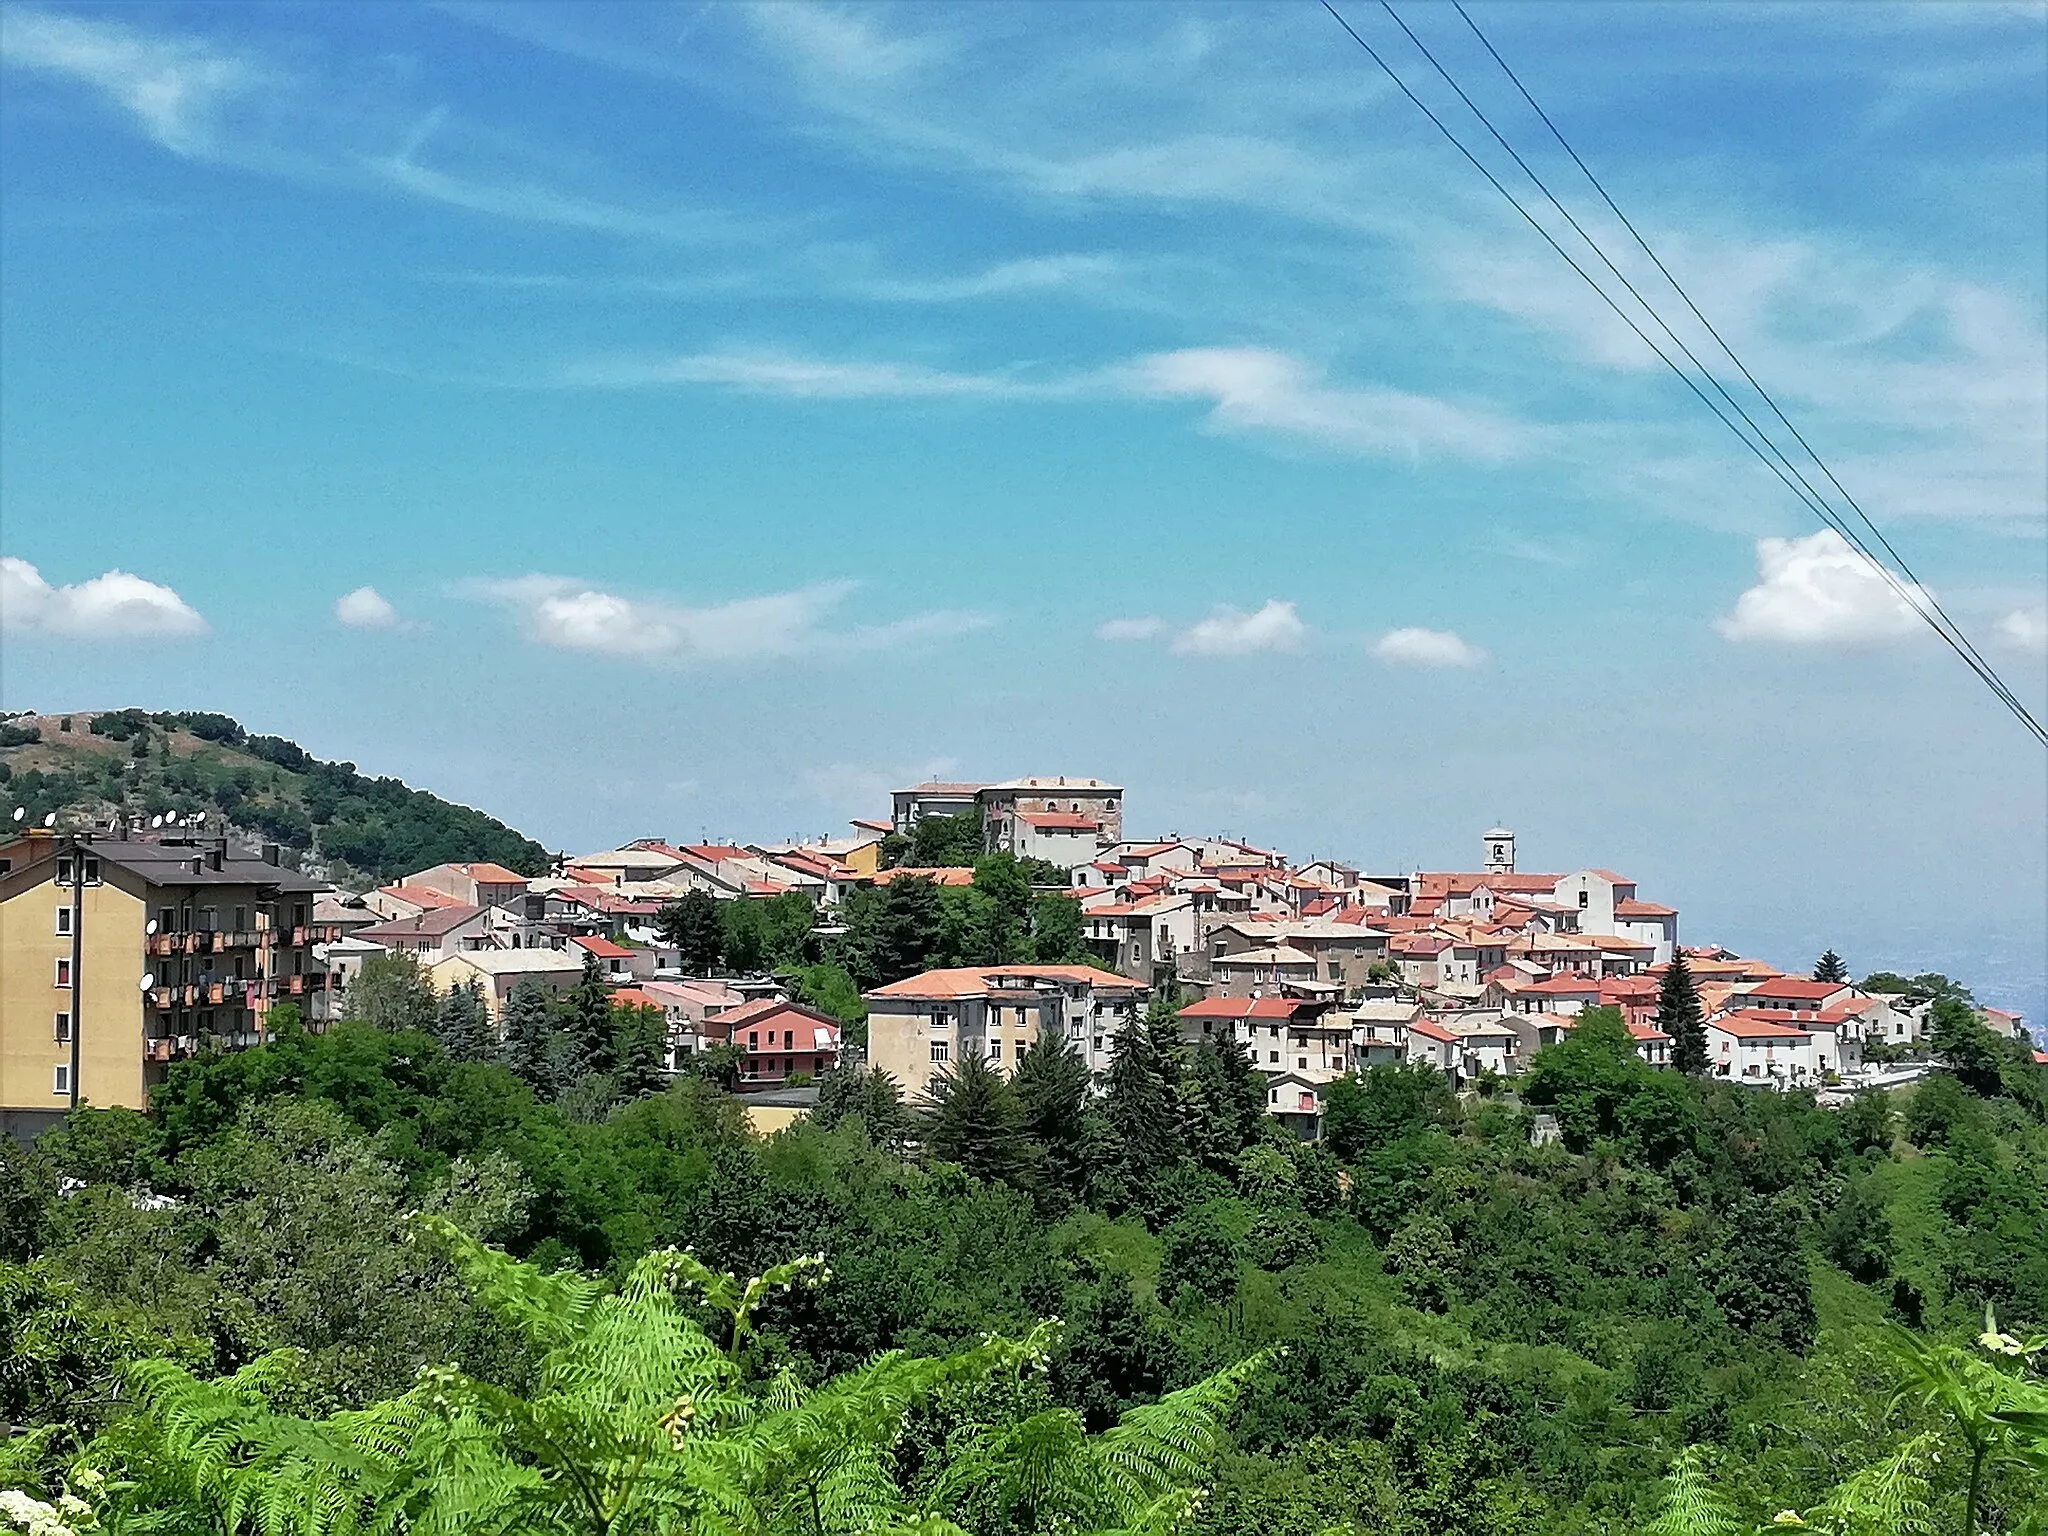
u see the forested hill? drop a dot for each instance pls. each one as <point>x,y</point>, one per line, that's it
<point>360,830</point>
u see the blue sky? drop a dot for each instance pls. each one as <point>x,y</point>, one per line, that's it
<point>736,410</point>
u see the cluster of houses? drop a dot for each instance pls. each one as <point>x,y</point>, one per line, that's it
<point>172,942</point>
<point>1316,969</point>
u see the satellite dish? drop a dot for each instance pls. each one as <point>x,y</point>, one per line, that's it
<point>156,821</point>
<point>20,811</point>
<point>50,820</point>
<point>148,982</point>
<point>149,929</point>
<point>199,815</point>
<point>170,818</point>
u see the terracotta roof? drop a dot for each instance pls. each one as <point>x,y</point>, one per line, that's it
<point>492,874</point>
<point>936,876</point>
<point>1566,986</point>
<point>604,949</point>
<point>716,853</point>
<point>632,997</point>
<point>1058,821</point>
<point>768,1008</point>
<point>1751,1024</point>
<point>938,787</point>
<point>1793,989</point>
<point>1647,1032</point>
<point>1430,1030</point>
<point>422,896</point>
<point>868,824</point>
<point>1643,909</point>
<point>973,981</point>
<point>1278,954</point>
<point>1247,1008</point>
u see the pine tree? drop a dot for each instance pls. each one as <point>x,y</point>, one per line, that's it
<point>1679,1016</point>
<point>1052,1089</point>
<point>640,1046</point>
<point>1234,1091</point>
<point>1831,968</point>
<point>586,1018</point>
<point>1138,1099</point>
<point>866,1093</point>
<point>523,1036</point>
<point>461,1024</point>
<point>972,1118</point>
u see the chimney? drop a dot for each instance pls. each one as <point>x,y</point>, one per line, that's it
<point>270,853</point>
<point>217,855</point>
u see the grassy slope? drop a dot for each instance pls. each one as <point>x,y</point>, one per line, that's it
<point>358,830</point>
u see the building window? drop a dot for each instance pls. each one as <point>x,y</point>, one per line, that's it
<point>939,1051</point>
<point>753,1039</point>
<point>241,919</point>
<point>60,1078</point>
<point>63,920</point>
<point>64,973</point>
<point>1301,1063</point>
<point>1273,1057</point>
<point>63,1028</point>
<point>166,919</point>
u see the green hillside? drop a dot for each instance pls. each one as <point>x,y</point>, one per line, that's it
<point>360,830</point>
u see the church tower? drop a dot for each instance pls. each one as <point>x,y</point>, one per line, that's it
<point>1500,852</point>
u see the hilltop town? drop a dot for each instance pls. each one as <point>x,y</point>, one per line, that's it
<point>787,960</point>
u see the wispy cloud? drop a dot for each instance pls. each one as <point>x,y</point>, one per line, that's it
<point>2025,629</point>
<point>1027,274</point>
<point>172,87</point>
<point>112,606</point>
<point>566,614</point>
<point>1257,390</point>
<point>841,43</point>
<point>1818,591</point>
<point>1123,631</point>
<point>804,378</point>
<point>1251,392</point>
<point>234,107</point>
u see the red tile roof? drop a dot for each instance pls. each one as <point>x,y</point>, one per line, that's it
<point>492,874</point>
<point>1753,1024</point>
<point>604,949</point>
<point>1058,821</point>
<point>1247,1008</point>
<point>973,981</point>
<point>1643,909</point>
<point>435,923</point>
<point>936,876</point>
<point>1792,988</point>
<point>422,896</point>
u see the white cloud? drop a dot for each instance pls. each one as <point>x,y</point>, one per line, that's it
<point>2025,630</point>
<point>1426,648</point>
<point>1254,389</point>
<point>1229,632</point>
<point>172,86</point>
<point>1250,389</point>
<point>1028,274</point>
<point>114,606</point>
<point>1817,591</point>
<point>365,608</point>
<point>571,615</point>
<point>1147,628</point>
<point>803,378</point>
<point>833,41</point>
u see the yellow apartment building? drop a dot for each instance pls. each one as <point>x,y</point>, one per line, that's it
<point>182,946</point>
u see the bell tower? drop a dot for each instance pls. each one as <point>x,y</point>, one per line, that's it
<point>1500,852</point>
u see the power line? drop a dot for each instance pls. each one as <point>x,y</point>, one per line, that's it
<point>1915,596</point>
<point>1780,466</point>
<point>1720,341</point>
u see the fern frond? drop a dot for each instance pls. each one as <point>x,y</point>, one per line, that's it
<point>1693,1505</point>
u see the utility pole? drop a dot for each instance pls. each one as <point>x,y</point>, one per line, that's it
<point>77,956</point>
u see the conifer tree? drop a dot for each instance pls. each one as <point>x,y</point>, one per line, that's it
<point>693,925</point>
<point>1233,1091</point>
<point>587,1020</point>
<point>640,1045</point>
<point>1830,967</point>
<point>461,1024</point>
<point>972,1118</point>
<point>868,1093</point>
<point>1679,1016</point>
<point>524,1032</point>
<point>1052,1090</point>
<point>1139,1099</point>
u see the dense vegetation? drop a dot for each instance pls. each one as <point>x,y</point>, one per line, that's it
<point>145,765</point>
<point>1704,1307</point>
